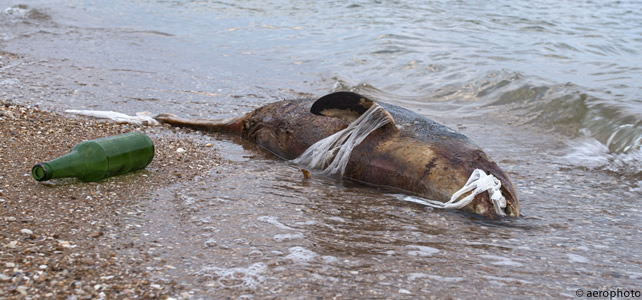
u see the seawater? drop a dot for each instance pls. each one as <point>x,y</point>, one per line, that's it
<point>550,89</point>
<point>571,68</point>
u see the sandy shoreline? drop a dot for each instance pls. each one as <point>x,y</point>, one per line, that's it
<point>65,237</point>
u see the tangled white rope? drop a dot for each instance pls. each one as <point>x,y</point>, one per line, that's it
<point>333,153</point>
<point>478,183</point>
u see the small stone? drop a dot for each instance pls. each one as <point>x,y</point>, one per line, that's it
<point>209,145</point>
<point>4,277</point>
<point>210,243</point>
<point>12,244</point>
<point>22,290</point>
<point>306,173</point>
<point>180,150</point>
<point>66,244</point>
<point>10,265</point>
<point>404,291</point>
<point>43,267</point>
<point>26,231</point>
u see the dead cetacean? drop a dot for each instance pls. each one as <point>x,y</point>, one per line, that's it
<point>412,153</point>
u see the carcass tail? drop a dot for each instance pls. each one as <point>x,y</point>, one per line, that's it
<point>233,125</point>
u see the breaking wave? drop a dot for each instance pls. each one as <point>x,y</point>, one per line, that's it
<point>562,108</point>
<point>606,128</point>
<point>592,154</point>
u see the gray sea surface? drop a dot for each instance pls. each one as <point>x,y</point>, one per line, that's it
<point>551,89</point>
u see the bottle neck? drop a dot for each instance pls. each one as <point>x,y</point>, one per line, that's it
<point>64,166</point>
<point>41,172</point>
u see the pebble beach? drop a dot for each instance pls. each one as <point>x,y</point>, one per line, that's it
<point>64,237</point>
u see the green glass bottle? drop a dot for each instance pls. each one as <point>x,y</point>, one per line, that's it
<point>100,158</point>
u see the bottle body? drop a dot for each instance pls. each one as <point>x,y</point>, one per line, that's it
<point>100,158</point>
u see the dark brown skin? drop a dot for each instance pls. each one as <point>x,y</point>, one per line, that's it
<point>415,154</point>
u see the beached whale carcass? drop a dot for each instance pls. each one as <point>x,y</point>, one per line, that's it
<point>410,153</point>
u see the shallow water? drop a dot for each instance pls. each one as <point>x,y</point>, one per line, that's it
<point>550,90</point>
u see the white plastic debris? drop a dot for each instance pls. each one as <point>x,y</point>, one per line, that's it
<point>333,152</point>
<point>139,118</point>
<point>478,183</point>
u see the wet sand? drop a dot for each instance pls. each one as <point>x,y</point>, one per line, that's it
<point>65,237</point>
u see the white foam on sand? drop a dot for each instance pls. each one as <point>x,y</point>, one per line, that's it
<point>501,261</point>
<point>288,236</point>
<point>422,250</point>
<point>574,258</point>
<point>274,221</point>
<point>299,254</point>
<point>240,277</point>
<point>415,276</point>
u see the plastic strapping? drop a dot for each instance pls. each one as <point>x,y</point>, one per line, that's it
<point>478,183</point>
<point>333,153</point>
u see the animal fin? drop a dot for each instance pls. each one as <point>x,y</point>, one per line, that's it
<point>347,106</point>
<point>233,125</point>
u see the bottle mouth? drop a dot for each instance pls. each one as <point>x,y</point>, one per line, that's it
<point>40,172</point>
